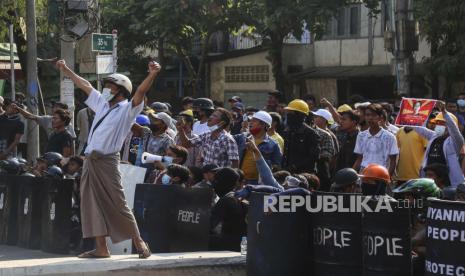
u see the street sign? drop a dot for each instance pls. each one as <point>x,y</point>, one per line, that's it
<point>102,42</point>
<point>104,64</point>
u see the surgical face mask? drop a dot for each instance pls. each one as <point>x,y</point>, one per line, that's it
<point>439,130</point>
<point>213,128</point>
<point>166,179</point>
<point>461,103</point>
<point>106,94</point>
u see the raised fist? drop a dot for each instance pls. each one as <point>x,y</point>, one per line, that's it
<point>61,64</point>
<point>154,67</point>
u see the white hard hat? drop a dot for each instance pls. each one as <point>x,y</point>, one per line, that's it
<point>325,114</point>
<point>119,79</point>
<point>264,117</point>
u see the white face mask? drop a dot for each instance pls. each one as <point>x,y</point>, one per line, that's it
<point>439,130</point>
<point>213,128</point>
<point>106,94</point>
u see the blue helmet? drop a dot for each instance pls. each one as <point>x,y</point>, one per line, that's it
<point>142,120</point>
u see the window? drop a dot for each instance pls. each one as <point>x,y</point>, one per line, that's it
<point>257,73</point>
<point>341,22</point>
<point>355,21</point>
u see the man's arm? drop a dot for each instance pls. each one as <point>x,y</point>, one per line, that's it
<point>80,82</point>
<point>392,164</point>
<point>331,109</point>
<point>358,162</point>
<point>154,69</point>
<point>25,113</point>
<point>182,135</point>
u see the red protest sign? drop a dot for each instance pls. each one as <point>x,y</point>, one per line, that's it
<point>414,112</point>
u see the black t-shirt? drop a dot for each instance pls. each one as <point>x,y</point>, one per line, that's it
<point>436,152</point>
<point>9,128</point>
<point>58,141</point>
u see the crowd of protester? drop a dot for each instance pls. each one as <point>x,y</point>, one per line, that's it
<point>304,144</point>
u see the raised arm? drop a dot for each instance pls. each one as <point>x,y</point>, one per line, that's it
<point>25,113</point>
<point>332,110</point>
<point>154,69</point>
<point>80,82</point>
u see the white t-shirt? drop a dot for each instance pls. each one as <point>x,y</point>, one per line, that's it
<point>199,129</point>
<point>377,148</point>
<point>392,129</point>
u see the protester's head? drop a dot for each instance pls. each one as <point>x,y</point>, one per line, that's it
<point>280,176</point>
<point>440,124</point>
<point>176,174</point>
<point>349,120</point>
<point>187,103</point>
<point>430,123</point>
<point>142,120</point>
<point>439,173</point>
<point>375,180</point>
<point>322,118</point>
<point>61,119</point>
<point>159,107</point>
<point>415,189</point>
<point>159,122</point>
<point>389,110</point>
<point>74,165</point>
<point>233,100</point>
<point>51,158</point>
<point>260,123</point>
<point>237,110</point>
<point>59,105</point>
<point>361,108</point>
<point>296,112</point>
<point>274,97</point>
<point>312,180</point>
<point>310,100</point>
<point>451,105</point>
<point>117,87</point>
<point>343,108</point>
<point>178,153</point>
<point>373,115</point>
<point>461,101</point>
<point>346,181</point>
<point>202,108</point>
<point>209,171</point>
<point>196,175</point>
<point>219,120</point>
<point>276,120</point>
<point>226,180</point>
<point>188,117</point>
<point>250,110</point>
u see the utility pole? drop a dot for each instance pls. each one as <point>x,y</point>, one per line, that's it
<point>406,44</point>
<point>32,86</point>
<point>12,63</point>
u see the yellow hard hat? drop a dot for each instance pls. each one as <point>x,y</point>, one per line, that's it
<point>440,117</point>
<point>187,112</point>
<point>344,108</point>
<point>299,106</point>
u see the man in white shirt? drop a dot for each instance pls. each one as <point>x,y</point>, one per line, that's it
<point>104,210</point>
<point>202,109</point>
<point>376,145</point>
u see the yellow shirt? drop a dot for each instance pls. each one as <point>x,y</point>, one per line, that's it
<point>249,167</point>
<point>412,148</point>
<point>278,139</point>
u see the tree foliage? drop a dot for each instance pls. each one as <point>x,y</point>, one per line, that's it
<point>442,24</point>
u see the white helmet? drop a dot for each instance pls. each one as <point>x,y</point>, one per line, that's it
<point>264,117</point>
<point>120,79</point>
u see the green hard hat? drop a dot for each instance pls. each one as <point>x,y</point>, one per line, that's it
<point>424,187</point>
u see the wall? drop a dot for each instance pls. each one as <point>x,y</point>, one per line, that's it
<point>322,88</point>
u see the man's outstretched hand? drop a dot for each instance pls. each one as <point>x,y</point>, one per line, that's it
<point>154,67</point>
<point>61,64</point>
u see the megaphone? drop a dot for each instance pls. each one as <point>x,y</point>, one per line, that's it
<point>150,158</point>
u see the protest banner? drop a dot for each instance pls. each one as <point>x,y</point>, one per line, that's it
<point>414,112</point>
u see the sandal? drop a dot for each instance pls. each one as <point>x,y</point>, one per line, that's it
<point>91,255</point>
<point>144,253</point>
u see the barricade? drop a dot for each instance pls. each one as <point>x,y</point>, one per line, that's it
<point>173,219</point>
<point>9,188</point>
<point>56,215</point>
<point>445,238</point>
<point>337,240</point>
<point>29,211</point>
<point>277,243</point>
<point>386,240</point>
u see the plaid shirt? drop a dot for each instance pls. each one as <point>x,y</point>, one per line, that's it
<point>326,144</point>
<point>220,151</point>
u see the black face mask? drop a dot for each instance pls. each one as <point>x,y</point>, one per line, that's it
<point>196,114</point>
<point>294,120</point>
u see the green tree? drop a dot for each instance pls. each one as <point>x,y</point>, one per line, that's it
<point>442,24</point>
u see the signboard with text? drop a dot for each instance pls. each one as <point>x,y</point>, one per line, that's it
<point>102,43</point>
<point>414,112</point>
